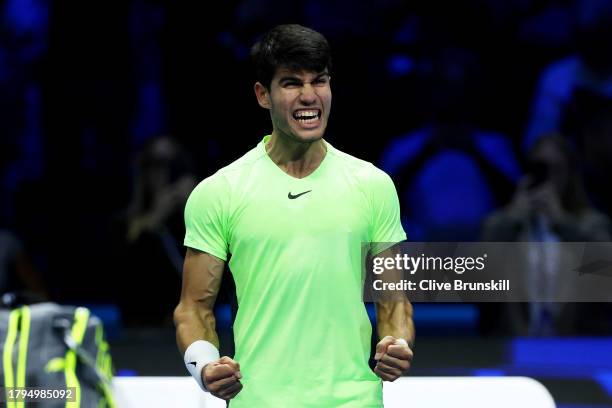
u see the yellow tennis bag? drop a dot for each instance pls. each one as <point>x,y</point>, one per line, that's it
<point>55,356</point>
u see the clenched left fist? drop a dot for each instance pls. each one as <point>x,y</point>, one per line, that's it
<point>393,358</point>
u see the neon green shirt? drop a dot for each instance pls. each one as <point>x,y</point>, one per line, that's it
<point>302,333</point>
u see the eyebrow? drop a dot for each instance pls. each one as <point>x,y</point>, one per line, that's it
<point>293,77</point>
<point>289,78</point>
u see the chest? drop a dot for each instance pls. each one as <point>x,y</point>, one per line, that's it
<point>290,211</point>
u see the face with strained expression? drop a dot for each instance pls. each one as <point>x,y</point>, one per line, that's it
<point>299,103</point>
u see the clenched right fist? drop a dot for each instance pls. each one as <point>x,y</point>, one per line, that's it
<point>222,378</point>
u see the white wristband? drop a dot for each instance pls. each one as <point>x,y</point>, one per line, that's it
<point>197,355</point>
<point>401,341</point>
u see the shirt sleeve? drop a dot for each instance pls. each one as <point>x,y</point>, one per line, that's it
<point>386,225</point>
<point>206,217</point>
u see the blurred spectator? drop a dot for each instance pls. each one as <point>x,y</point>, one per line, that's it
<point>550,201</point>
<point>574,97</point>
<point>17,274</point>
<point>549,205</point>
<point>148,237</point>
<point>450,173</point>
<point>588,71</point>
<point>445,177</point>
<point>588,119</point>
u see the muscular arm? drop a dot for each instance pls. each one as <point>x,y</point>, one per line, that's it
<point>394,312</point>
<point>193,317</point>
<point>394,318</point>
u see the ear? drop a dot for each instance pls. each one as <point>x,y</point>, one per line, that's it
<point>263,95</point>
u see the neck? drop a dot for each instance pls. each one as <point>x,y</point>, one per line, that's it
<point>295,158</point>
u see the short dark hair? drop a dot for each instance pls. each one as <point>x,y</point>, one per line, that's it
<point>290,46</point>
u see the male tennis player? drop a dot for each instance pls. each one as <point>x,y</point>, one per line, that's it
<point>292,213</point>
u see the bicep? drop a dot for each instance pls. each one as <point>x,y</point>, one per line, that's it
<point>202,273</point>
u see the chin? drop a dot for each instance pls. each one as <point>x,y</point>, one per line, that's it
<point>308,136</point>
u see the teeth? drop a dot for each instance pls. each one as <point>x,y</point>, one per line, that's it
<point>304,114</point>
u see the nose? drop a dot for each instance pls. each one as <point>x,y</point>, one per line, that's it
<point>308,94</point>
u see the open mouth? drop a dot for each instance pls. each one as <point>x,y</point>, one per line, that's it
<point>307,116</point>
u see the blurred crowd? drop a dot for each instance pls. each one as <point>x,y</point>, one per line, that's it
<point>494,119</point>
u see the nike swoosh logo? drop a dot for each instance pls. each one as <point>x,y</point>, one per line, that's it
<point>194,363</point>
<point>293,197</point>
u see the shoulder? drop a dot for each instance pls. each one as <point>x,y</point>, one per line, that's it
<point>229,177</point>
<point>405,148</point>
<point>559,77</point>
<point>376,185</point>
<point>244,165</point>
<point>362,170</point>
